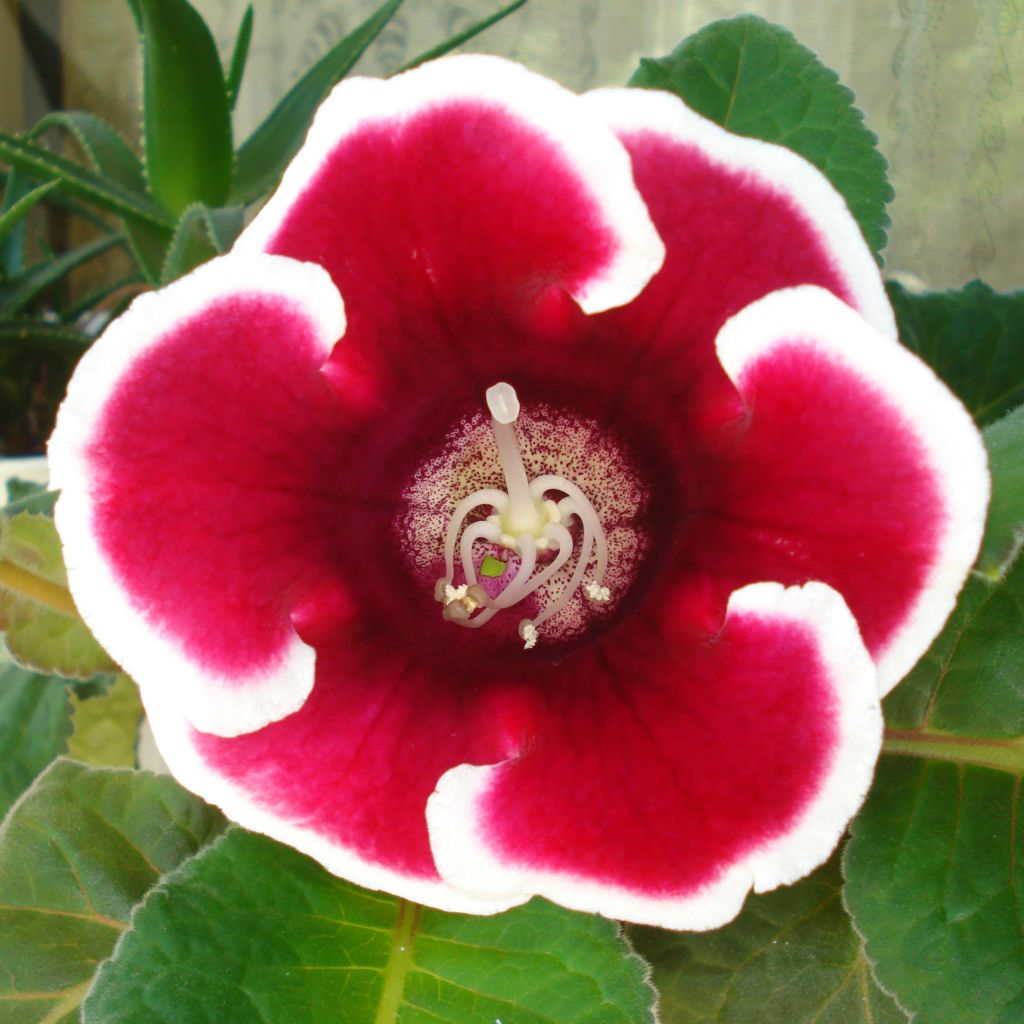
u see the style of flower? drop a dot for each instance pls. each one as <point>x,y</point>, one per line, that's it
<point>570,555</point>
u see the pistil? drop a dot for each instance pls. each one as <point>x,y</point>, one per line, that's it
<point>525,519</point>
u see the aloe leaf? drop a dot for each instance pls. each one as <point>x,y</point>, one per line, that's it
<point>186,114</point>
<point>17,185</point>
<point>77,181</point>
<point>39,335</point>
<point>233,79</point>
<point>263,157</point>
<point>461,37</point>
<point>106,151</point>
<point>201,234</point>
<point>89,300</point>
<point>19,211</point>
<point>17,294</point>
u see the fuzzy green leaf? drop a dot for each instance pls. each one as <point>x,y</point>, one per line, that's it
<point>791,956</point>
<point>35,720</point>
<point>1004,532</point>
<point>79,850</point>
<point>37,616</point>
<point>186,112</point>
<point>106,726</point>
<point>251,930</point>
<point>973,338</point>
<point>933,876</point>
<point>755,79</point>
<point>263,157</point>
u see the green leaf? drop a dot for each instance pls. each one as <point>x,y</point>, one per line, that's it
<point>18,489</point>
<point>112,158</point>
<point>253,931</point>
<point>17,293</point>
<point>77,181</point>
<point>79,850</point>
<point>462,37</point>
<point>41,502</point>
<point>186,114</point>
<point>42,629</point>
<point>202,233</point>
<point>239,55</point>
<point>41,335</point>
<point>1004,532</point>
<point>12,248</point>
<point>972,338</point>
<point>35,720</point>
<point>755,79</point>
<point>107,153</point>
<point>791,956</point>
<point>263,157</point>
<point>106,727</point>
<point>933,877</point>
<point>16,214</point>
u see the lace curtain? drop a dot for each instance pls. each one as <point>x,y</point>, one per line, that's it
<point>939,80</point>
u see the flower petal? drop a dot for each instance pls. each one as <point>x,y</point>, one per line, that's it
<point>189,451</point>
<point>739,217</point>
<point>856,466</point>
<point>466,181</point>
<point>663,799</point>
<point>346,778</point>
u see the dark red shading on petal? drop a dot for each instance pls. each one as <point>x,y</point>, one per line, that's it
<point>358,761</point>
<point>212,460</point>
<point>661,765</point>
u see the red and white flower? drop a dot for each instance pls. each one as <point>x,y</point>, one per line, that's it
<point>535,501</point>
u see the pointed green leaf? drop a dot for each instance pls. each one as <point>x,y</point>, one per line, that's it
<point>17,293</point>
<point>201,234</point>
<point>77,181</point>
<point>186,114</point>
<point>462,37</point>
<point>37,614</point>
<point>239,55</point>
<point>35,720</point>
<point>17,213</point>
<point>41,335</point>
<point>755,79</point>
<point>791,956</point>
<point>251,930</point>
<point>973,338</point>
<point>12,248</point>
<point>106,151</point>
<point>933,876</point>
<point>106,726</point>
<point>41,502</point>
<point>79,850</point>
<point>263,157</point>
<point>111,157</point>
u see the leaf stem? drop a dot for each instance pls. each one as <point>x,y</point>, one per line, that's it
<point>45,592</point>
<point>1005,755</point>
<point>399,962</point>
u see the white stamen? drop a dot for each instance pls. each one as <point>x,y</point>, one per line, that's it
<point>524,520</point>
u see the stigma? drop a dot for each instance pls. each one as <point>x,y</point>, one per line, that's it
<point>547,522</point>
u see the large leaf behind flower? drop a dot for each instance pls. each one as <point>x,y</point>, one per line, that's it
<point>755,79</point>
<point>791,957</point>
<point>933,869</point>
<point>76,854</point>
<point>253,931</point>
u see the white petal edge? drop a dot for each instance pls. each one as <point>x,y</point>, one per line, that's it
<point>225,706</point>
<point>596,156</point>
<point>466,858</point>
<point>932,413</point>
<point>635,111</point>
<point>173,737</point>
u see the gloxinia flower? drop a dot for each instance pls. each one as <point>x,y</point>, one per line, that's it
<point>569,555</point>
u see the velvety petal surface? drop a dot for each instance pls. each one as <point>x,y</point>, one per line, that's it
<point>193,451</point>
<point>670,778</point>
<point>855,466</point>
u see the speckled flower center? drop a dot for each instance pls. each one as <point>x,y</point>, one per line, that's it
<point>531,511</point>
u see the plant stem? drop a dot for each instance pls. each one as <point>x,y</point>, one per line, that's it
<point>1002,754</point>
